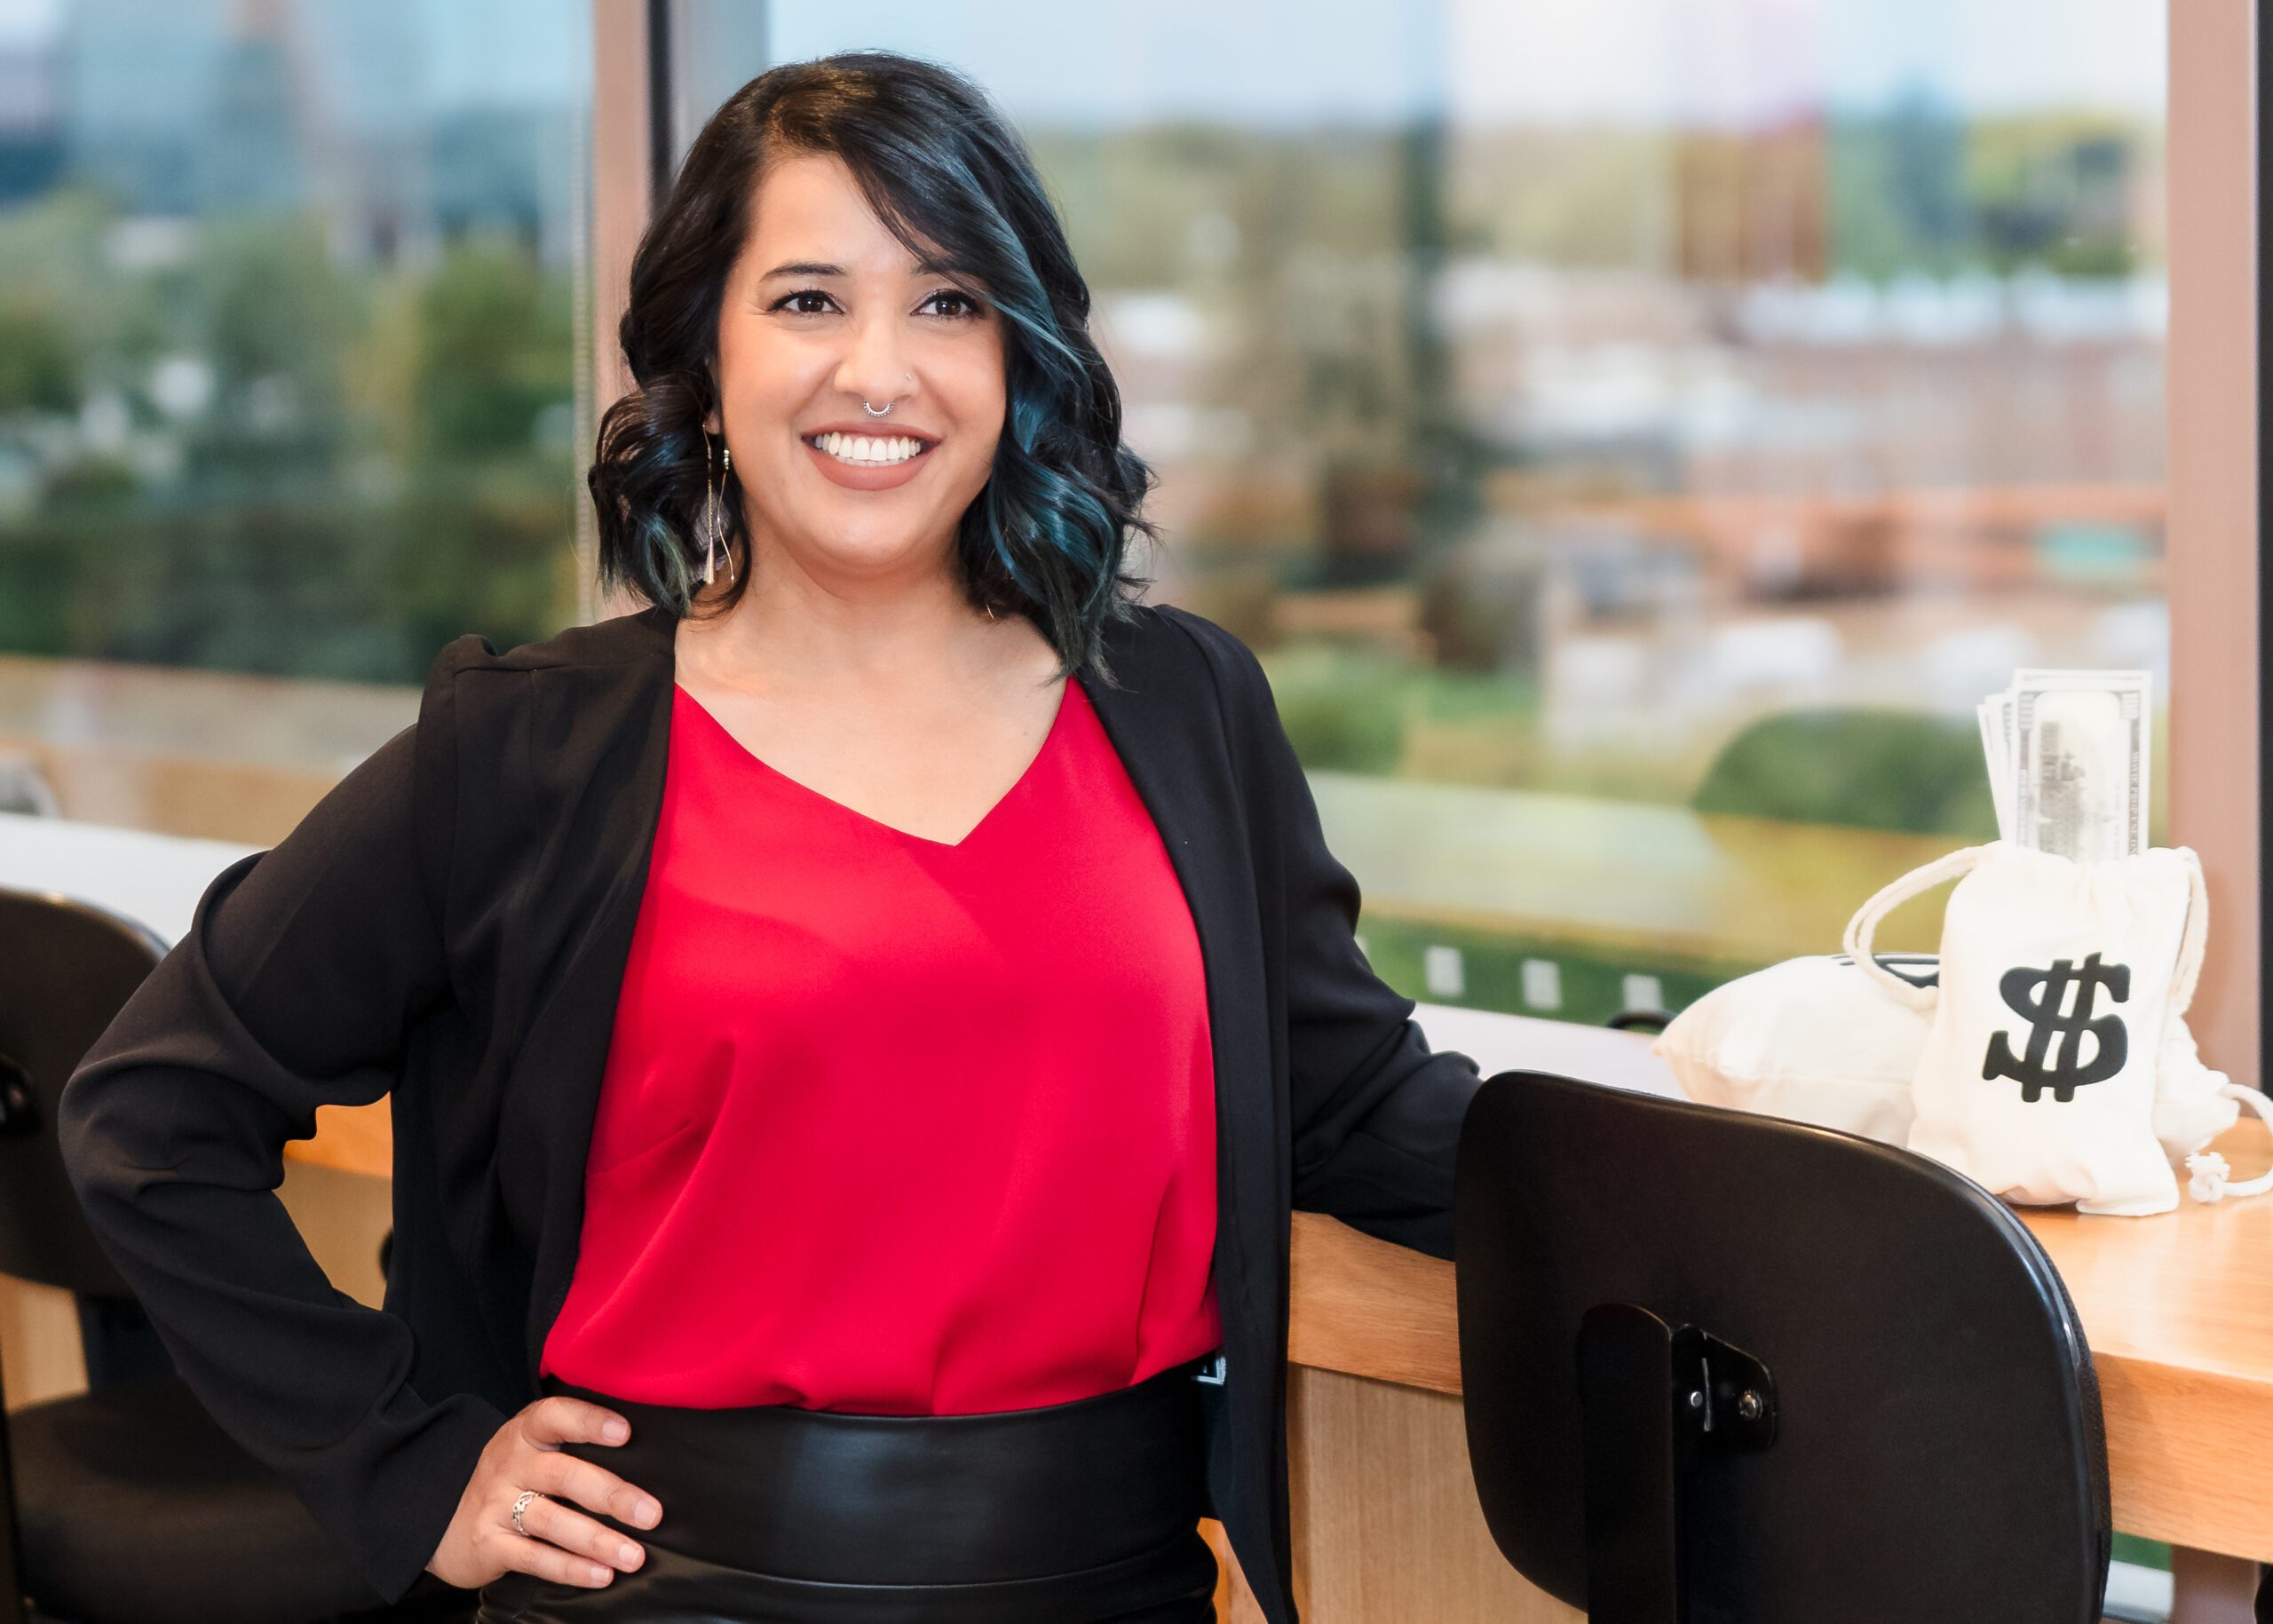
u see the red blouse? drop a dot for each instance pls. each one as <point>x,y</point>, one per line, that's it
<point>895,1127</point>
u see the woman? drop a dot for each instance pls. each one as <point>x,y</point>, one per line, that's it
<point>856,1028</point>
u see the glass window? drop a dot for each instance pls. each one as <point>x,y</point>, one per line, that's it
<point>289,311</point>
<point>1633,435</point>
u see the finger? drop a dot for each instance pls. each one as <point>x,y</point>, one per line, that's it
<point>567,1477</point>
<point>550,1422</point>
<point>572,1531</point>
<point>548,1561</point>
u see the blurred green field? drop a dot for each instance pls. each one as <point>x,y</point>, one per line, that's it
<point>1592,982</point>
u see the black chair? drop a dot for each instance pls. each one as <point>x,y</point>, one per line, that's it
<point>1727,1368</point>
<point>126,1504</point>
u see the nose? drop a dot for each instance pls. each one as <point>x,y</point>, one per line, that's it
<point>875,365</point>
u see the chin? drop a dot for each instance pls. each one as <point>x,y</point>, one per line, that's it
<point>871,551</point>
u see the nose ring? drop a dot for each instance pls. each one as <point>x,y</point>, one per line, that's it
<point>873,412</point>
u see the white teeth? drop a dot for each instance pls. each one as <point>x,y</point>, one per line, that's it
<point>865,449</point>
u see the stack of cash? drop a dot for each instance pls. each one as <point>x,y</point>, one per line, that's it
<point>2068,757</point>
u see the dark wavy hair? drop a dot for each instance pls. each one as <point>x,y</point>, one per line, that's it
<point>946,175</point>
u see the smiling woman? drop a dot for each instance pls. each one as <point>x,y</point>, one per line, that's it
<point>857,304</point>
<point>834,1023</point>
<point>851,260</point>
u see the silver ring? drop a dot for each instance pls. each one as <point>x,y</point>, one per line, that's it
<point>521,1505</point>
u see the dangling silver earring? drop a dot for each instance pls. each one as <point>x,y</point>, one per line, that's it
<point>714,515</point>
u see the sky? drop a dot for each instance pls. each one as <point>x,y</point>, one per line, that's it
<point>1495,61</point>
<point>1277,62</point>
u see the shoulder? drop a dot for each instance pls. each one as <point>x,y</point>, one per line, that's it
<point>1166,635</point>
<point>1217,643</point>
<point>609,670</point>
<point>571,701</point>
<point>628,640</point>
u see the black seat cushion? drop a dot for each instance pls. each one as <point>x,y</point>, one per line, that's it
<point>135,1508</point>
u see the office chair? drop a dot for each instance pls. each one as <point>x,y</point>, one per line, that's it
<point>1722,1368</point>
<point>126,1504</point>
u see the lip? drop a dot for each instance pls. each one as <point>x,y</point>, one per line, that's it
<point>881,478</point>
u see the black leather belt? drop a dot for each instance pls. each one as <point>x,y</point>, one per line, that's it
<point>921,1500</point>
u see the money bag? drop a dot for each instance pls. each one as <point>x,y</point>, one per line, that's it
<point>1810,1040</point>
<point>2057,1066</point>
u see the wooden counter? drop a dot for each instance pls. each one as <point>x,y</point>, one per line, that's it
<point>2179,1309</point>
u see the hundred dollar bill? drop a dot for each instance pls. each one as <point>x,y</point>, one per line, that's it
<point>2081,745</point>
<point>2004,738</point>
<point>1989,712</point>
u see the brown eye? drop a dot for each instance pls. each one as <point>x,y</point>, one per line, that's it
<point>970,306</point>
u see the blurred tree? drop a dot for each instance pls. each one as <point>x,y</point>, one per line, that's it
<point>35,371</point>
<point>1896,770</point>
<point>352,463</point>
<point>491,351</point>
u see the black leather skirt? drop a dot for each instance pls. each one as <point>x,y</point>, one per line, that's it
<point>1072,1513</point>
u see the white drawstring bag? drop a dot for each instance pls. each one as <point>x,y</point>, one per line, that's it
<point>1813,1039</point>
<point>2057,1066</point>
<point>1809,1038</point>
<point>2193,1106</point>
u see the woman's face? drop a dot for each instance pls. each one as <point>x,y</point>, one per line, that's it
<point>825,310</point>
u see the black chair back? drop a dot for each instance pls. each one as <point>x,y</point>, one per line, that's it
<point>1726,1367</point>
<point>66,968</point>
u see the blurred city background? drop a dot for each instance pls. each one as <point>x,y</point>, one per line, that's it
<point>1632,434</point>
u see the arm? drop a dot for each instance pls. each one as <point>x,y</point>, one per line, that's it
<point>303,969</point>
<point>1376,1113</point>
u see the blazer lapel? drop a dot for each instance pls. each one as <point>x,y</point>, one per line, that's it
<point>617,808</point>
<point>1167,728</point>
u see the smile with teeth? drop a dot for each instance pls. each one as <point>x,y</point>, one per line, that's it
<point>863,451</point>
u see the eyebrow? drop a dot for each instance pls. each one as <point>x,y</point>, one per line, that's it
<point>808,267</point>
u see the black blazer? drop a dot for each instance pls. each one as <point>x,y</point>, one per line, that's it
<point>449,926</point>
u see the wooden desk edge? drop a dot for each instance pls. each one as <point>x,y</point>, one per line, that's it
<point>2190,1452</point>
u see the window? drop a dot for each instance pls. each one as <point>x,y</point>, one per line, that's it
<point>1633,435</point>
<point>290,337</point>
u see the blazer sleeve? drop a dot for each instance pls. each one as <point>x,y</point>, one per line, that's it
<point>302,970</point>
<point>1376,1113</point>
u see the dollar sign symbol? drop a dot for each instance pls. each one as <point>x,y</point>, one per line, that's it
<point>2048,1022</point>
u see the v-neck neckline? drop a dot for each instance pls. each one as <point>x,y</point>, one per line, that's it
<point>799,787</point>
